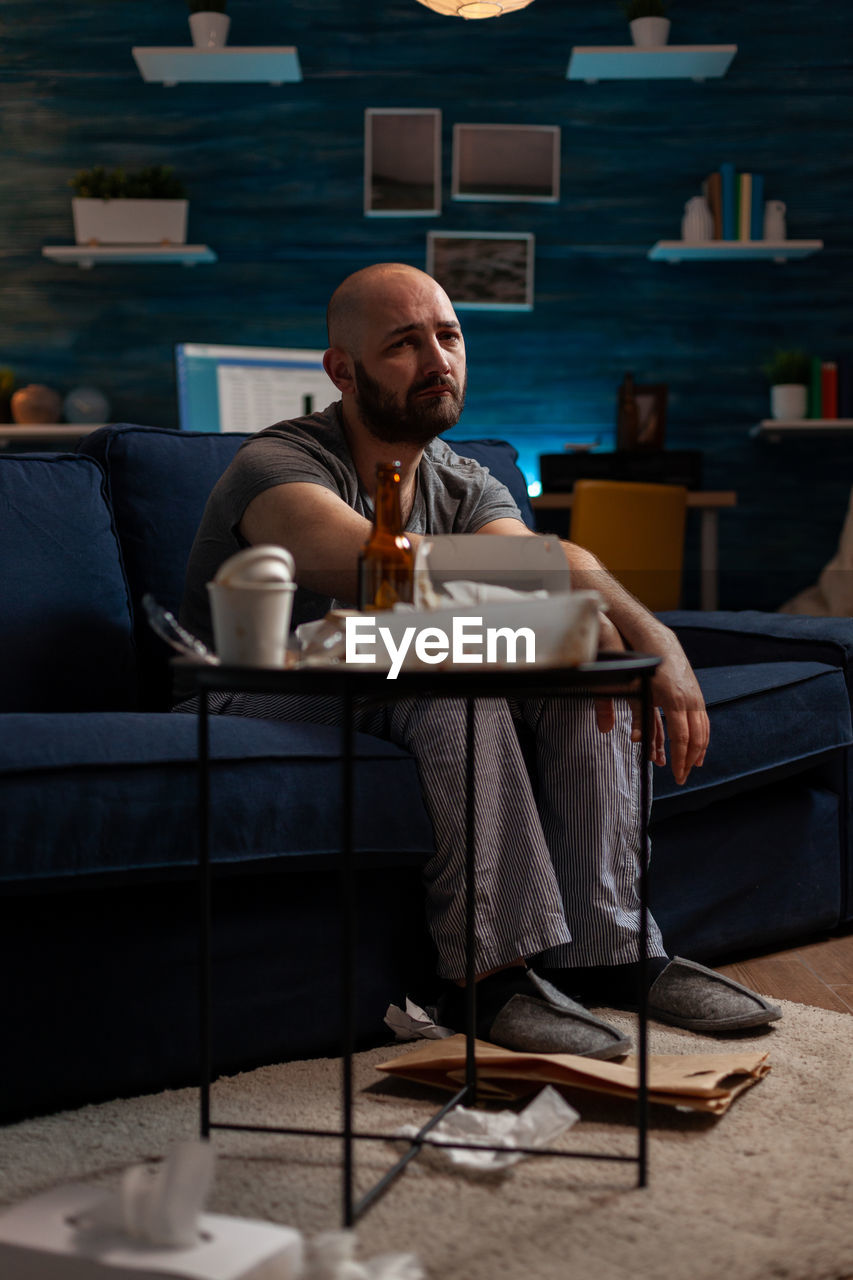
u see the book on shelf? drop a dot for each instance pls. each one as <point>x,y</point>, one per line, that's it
<point>713,193</point>
<point>815,409</point>
<point>756,226</point>
<point>744,205</point>
<point>728,188</point>
<point>829,389</point>
<point>845,386</point>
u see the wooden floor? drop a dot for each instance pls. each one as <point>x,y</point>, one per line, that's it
<point>819,973</point>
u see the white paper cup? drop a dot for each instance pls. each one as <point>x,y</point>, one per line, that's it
<point>251,622</point>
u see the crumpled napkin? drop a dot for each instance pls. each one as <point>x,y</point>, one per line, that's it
<point>538,1125</point>
<point>413,1023</point>
<point>159,1204</point>
<point>331,1256</point>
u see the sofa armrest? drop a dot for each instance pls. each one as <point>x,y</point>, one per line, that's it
<point>729,638</point>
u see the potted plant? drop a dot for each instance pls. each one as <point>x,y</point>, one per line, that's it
<point>648,22</point>
<point>209,23</point>
<point>148,207</point>
<point>788,373</point>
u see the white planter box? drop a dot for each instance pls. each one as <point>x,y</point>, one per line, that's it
<point>129,221</point>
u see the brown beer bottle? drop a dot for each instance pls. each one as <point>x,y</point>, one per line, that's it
<point>386,565</point>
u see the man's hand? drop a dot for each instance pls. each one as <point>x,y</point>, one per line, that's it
<point>605,715</point>
<point>676,691</point>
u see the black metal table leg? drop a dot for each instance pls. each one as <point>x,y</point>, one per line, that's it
<point>470,902</point>
<point>204,979</point>
<point>348,909</point>
<point>647,712</point>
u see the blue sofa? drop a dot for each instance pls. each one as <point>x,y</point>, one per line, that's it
<point>98,796</point>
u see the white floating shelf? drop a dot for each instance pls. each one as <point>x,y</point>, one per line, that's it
<point>171,66</point>
<point>669,62</point>
<point>705,250</point>
<point>85,255</point>
<point>775,428</point>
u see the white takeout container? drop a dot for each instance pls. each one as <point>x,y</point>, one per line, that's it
<point>565,626</point>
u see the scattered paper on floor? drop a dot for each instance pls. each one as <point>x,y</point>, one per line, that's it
<point>707,1082</point>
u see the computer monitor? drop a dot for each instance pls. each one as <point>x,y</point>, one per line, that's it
<point>244,389</point>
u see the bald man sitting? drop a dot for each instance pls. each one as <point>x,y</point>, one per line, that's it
<point>557,869</point>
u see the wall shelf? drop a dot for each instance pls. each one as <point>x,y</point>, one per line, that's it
<point>707,250</point>
<point>669,62</point>
<point>183,65</point>
<point>85,255</point>
<point>774,429</point>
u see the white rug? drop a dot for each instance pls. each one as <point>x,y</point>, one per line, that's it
<point>766,1191</point>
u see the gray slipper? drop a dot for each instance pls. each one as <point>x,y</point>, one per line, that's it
<point>688,995</point>
<point>546,1021</point>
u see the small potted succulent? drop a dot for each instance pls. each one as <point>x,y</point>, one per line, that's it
<point>788,373</point>
<point>147,207</point>
<point>648,22</point>
<point>209,23</point>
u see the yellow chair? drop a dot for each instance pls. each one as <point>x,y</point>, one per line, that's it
<point>637,531</point>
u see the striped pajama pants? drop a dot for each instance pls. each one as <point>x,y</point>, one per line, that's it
<point>558,822</point>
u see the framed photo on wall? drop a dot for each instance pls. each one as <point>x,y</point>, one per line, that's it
<point>483,270</point>
<point>506,162</point>
<point>402,162</point>
<point>651,415</point>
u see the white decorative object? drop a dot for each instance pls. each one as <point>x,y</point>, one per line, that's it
<point>774,220</point>
<point>698,221</point>
<point>209,29</point>
<point>649,33</point>
<point>788,401</point>
<point>85,404</point>
<point>475,8</point>
<point>122,221</point>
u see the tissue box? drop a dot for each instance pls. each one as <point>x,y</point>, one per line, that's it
<point>39,1240</point>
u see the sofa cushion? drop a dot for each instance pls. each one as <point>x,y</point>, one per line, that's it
<point>65,628</point>
<point>501,459</point>
<point>159,482</point>
<point>123,794</point>
<point>768,719</point>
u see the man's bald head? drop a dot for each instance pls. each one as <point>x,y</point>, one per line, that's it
<point>354,301</point>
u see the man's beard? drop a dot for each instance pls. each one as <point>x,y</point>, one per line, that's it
<point>417,421</point>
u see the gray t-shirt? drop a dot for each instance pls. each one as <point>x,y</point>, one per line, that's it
<point>454,495</point>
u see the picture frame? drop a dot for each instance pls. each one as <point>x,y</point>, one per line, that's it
<point>506,162</point>
<point>651,415</point>
<point>483,270</point>
<point>402,162</point>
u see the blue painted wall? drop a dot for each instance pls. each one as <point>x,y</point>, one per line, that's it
<point>275,180</point>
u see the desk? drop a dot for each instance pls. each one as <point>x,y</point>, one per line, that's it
<point>23,435</point>
<point>708,502</point>
<point>619,672</point>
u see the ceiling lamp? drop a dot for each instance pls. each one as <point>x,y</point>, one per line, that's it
<point>475,8</point>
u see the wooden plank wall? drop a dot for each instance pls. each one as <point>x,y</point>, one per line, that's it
<point>275,179</point>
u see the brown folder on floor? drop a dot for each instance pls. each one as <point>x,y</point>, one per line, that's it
<point>707,1082</point>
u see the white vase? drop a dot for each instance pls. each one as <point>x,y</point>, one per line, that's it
<point>209,29</point>
<point>121,221</point>
<point>649,33</point>
<point>788,401</point>
<point>698,221</point>
<point>774,220</point>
